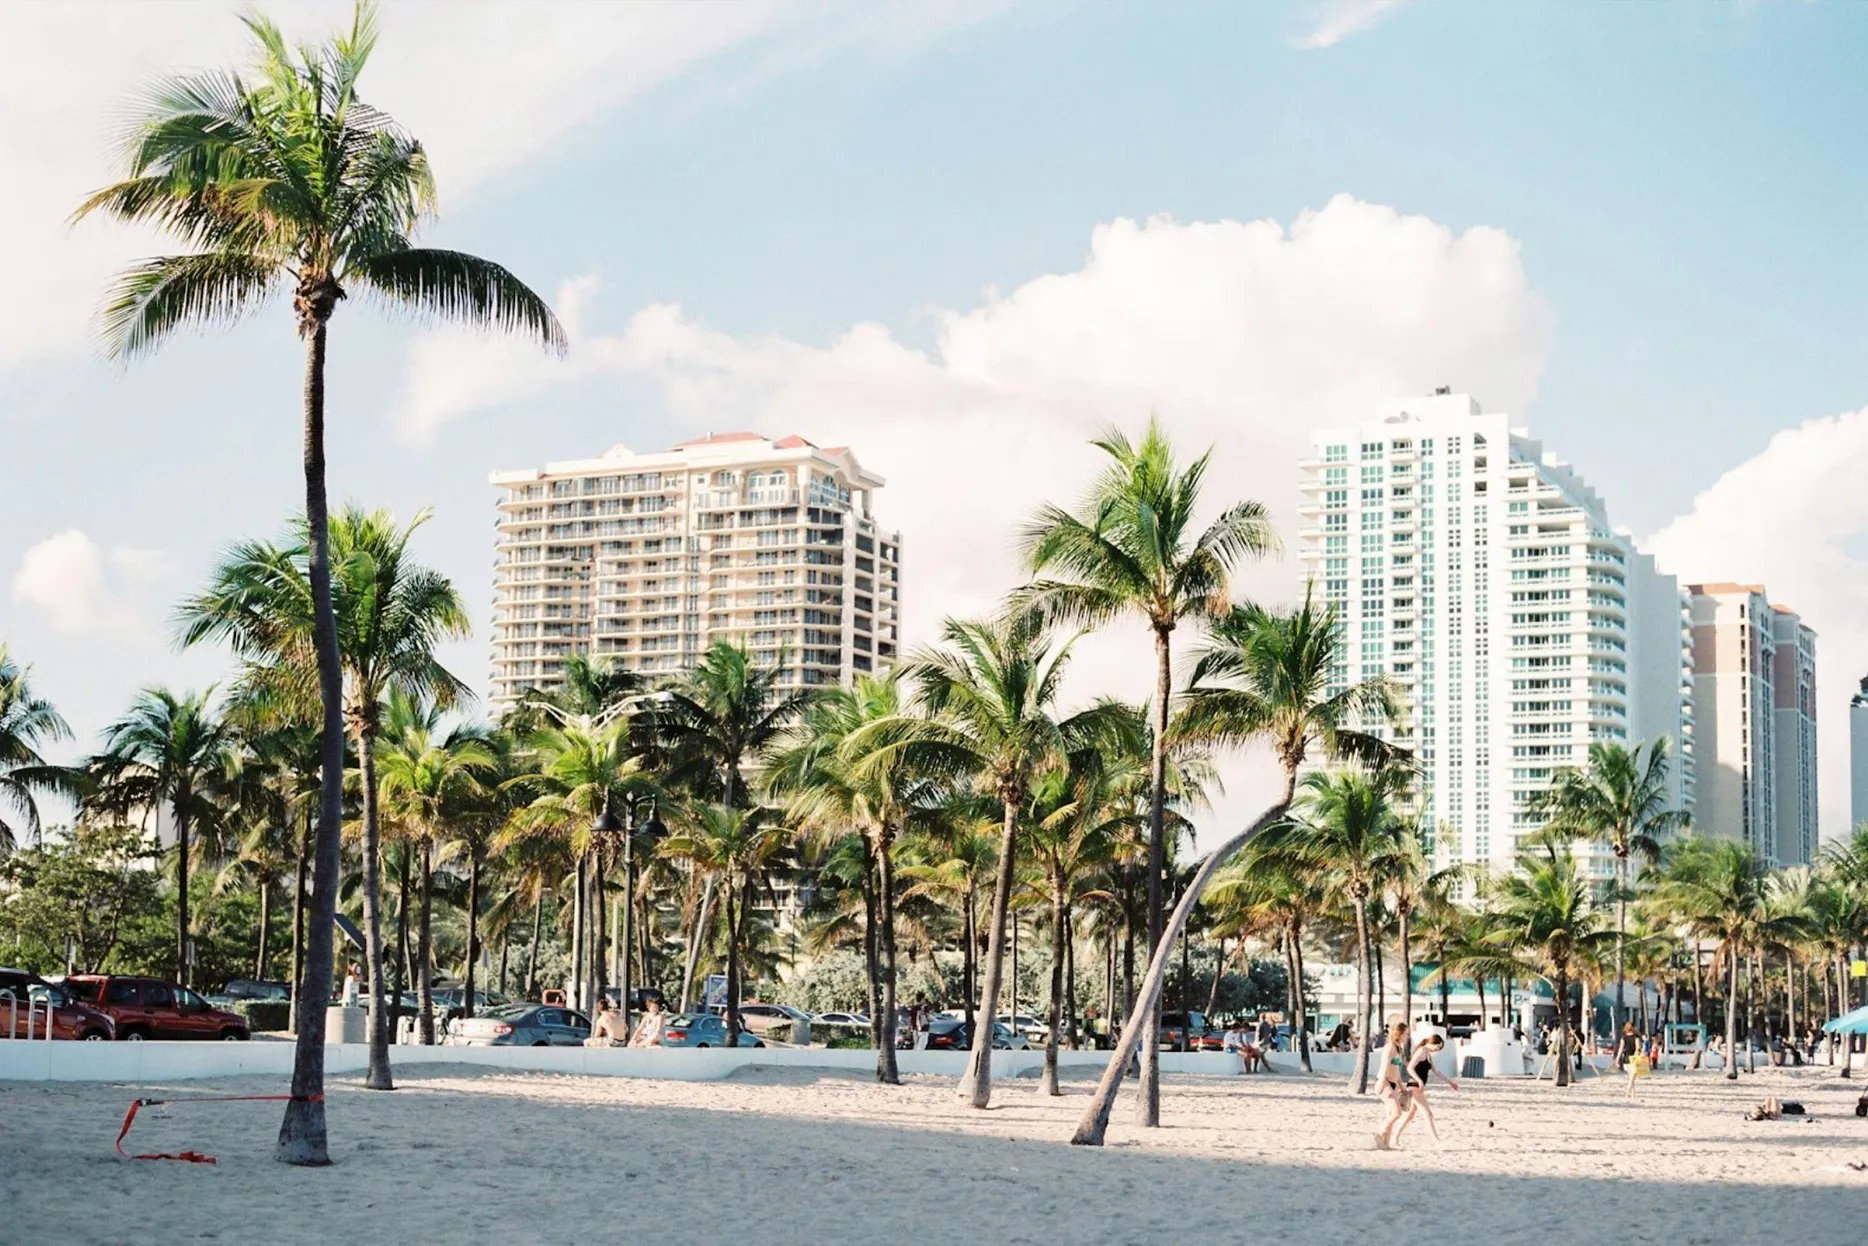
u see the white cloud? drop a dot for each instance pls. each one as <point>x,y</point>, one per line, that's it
<point>1341,18</point>
<point>489,87</point>
<point>84,590</point>
<point>1789,518</point>
<point>1244,336</point>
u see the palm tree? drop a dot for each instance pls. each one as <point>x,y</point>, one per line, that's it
<point>1269,890</point>
<point>834,779</point>
<point>1541,923</point>
<point>428,783</point>
<point>1265,677</point>
<point>590,689</point>
<point>1132,551</point>
<point>27,723</point>
<point>1348,827</point>
<point>1717,891</point>
<point>709,722</point>
<point>288,177</point>
<point>950,863</point>
<point>391,615</point>
<point>169,753</point>
<point>736,847</point>
<point>990,694</point>
<point>1619,797</point>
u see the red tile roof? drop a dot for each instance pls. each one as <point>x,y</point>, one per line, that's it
<point>712,438</point>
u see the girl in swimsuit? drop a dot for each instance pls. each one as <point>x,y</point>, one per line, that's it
<point>1391,1085</point>
<point>1420,1070</point>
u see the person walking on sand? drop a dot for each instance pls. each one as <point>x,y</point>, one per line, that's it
<point>650,1029</point>
<point>1420,1070</point>
<point>1391,1086</point>
<point>1627,1047</point>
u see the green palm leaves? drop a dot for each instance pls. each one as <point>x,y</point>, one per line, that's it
<point>27,723</point>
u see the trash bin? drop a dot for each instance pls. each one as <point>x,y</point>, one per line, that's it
<point>1472,1066</point>
<point>346,1024</point>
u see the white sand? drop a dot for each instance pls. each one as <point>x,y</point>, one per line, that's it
<point>457,1155</point>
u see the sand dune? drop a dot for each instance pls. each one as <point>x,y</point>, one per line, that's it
<point>461,1155</point>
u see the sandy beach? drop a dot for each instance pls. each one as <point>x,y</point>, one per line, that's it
<point>457,1154</point>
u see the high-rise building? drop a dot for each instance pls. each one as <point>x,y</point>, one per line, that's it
<point>649,558</point>
<point>1481,574</point>
<point>1858,756</point>
<point>1754,677</point>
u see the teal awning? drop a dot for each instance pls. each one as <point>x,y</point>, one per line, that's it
<point>1849,1023</point>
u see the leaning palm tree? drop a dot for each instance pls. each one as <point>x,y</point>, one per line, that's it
<point>707,725</point>
<point>1133,550</point>
<point>287,178</point>
<point>169,754</point>
<point>1718,891</point>
<point>27,724</point>
<point>392,614</point>
<point>1264,678</point>
<point>1621,798</point>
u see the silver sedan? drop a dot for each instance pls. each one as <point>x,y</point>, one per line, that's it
<point>521,1025</point>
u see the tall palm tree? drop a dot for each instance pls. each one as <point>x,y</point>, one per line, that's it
<point>169,754</point>
<point>990,694</point>
<point>1620,797</point>
<point>1542,923</point>
<point>709,723</point>
<point>737,847</point>
<point>1717,890</point>
<point>27,723</point>
<point>1133,550</point>
<point>1264,678</point>
<point>391,616</point>
<point>1348,827</point>
<point>288,178</point>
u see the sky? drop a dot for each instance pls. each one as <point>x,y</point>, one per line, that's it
<point>961,238</point>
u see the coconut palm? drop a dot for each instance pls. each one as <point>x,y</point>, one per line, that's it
<point>287,178</point>
<point>706,726</point>
<point>1132,550</point>
<point>1619,797</point>
<point>27,724</point>
<point>737,848</point>
<point>1541,922</point>
<point>169,754</point>
<point>1263,678</point>
<point>392,614</point>
<point>1269,890</point>
<point>952,863</point>
<point>1718,891</point>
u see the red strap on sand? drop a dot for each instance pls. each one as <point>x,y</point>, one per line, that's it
<point>195,1157</point>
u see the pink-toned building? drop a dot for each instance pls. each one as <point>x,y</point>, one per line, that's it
<point>1754,683</point>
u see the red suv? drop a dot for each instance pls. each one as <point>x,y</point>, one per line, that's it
<point>151,1008</point>
<point>22,988</point>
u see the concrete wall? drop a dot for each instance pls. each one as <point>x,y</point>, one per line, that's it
<point>162,1062</point>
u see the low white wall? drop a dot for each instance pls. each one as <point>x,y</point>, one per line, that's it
<point>163,1062</point>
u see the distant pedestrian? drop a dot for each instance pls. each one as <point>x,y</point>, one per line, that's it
<point>353,983</point>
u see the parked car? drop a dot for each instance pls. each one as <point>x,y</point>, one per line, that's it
<point>521,1025</point>
<point>1181,1031</point>
<point>247,988</point>
<point>22,990</point>
<point>951,1034</point>
<point>763,1019</point>
<point>145,1008</point>
<point>841,1021</point>
<point>703,1029</point>
<point>450,1001</point>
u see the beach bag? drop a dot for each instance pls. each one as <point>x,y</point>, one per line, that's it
<point>1640,1066</point>
<point>1861,1106</point>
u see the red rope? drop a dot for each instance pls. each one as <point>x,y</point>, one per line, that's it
<point>195,1157</point>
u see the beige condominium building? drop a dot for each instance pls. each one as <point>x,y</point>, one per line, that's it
<point>1754,678</point>
<point>650,558</point>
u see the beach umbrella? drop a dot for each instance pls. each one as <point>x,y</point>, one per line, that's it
<point>1849,1023</point>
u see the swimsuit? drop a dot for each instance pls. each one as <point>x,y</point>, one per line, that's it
<point>1421,1070</point>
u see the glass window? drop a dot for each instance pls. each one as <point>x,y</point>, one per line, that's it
<point>157,995</point>
<point>120,993</point>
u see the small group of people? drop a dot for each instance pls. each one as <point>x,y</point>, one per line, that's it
<point>611,1026</point>
<point>1405,1072</point>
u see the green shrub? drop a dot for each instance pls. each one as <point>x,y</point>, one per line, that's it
<point>265,1015</point>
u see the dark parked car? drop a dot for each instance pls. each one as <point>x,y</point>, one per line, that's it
<point>23,991</point>
<point>1181,1031</point>
<point>521,1025</point>
<point>151,1008</point>
<point>247,988</point>
<point>952,1034</point>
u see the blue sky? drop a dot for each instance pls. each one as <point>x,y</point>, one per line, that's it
<point>1636,226</point>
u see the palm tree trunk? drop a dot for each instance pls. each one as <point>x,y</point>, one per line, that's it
<point>1731,1017</point>
<point>1300,1021</point>
<point>706,902</point>
<point>378,1077</point>
<point>1478,983</point>
<point>734,904</point>
<point>1365,1034</point>
<point>1095,1122</point>
<point>298,913</point>
<point>425,947</point>
<point>265,929</point>
<point>1070,977</point>
<point>302,1136</point>
<point>182,802</point>
<point>872,948</point>
<point>1219,971</point>
<point>1621,943</point>
<point>1149,1112</point>
<point>473,925</point>
<point>402,939</point>
<point>1048,1085</point>
<point>531,956</point>
<point>1407,975</point>
<point>580,934</point>
<point>1842,1006</point>
<point>886,1071</point>
<point>976,1084</point>
<point>1446,987</point>
<point>593,932</point>
<point>969,965</point>
<point>1562,985</point>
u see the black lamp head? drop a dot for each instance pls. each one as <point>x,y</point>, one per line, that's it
<point>607,822</point>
